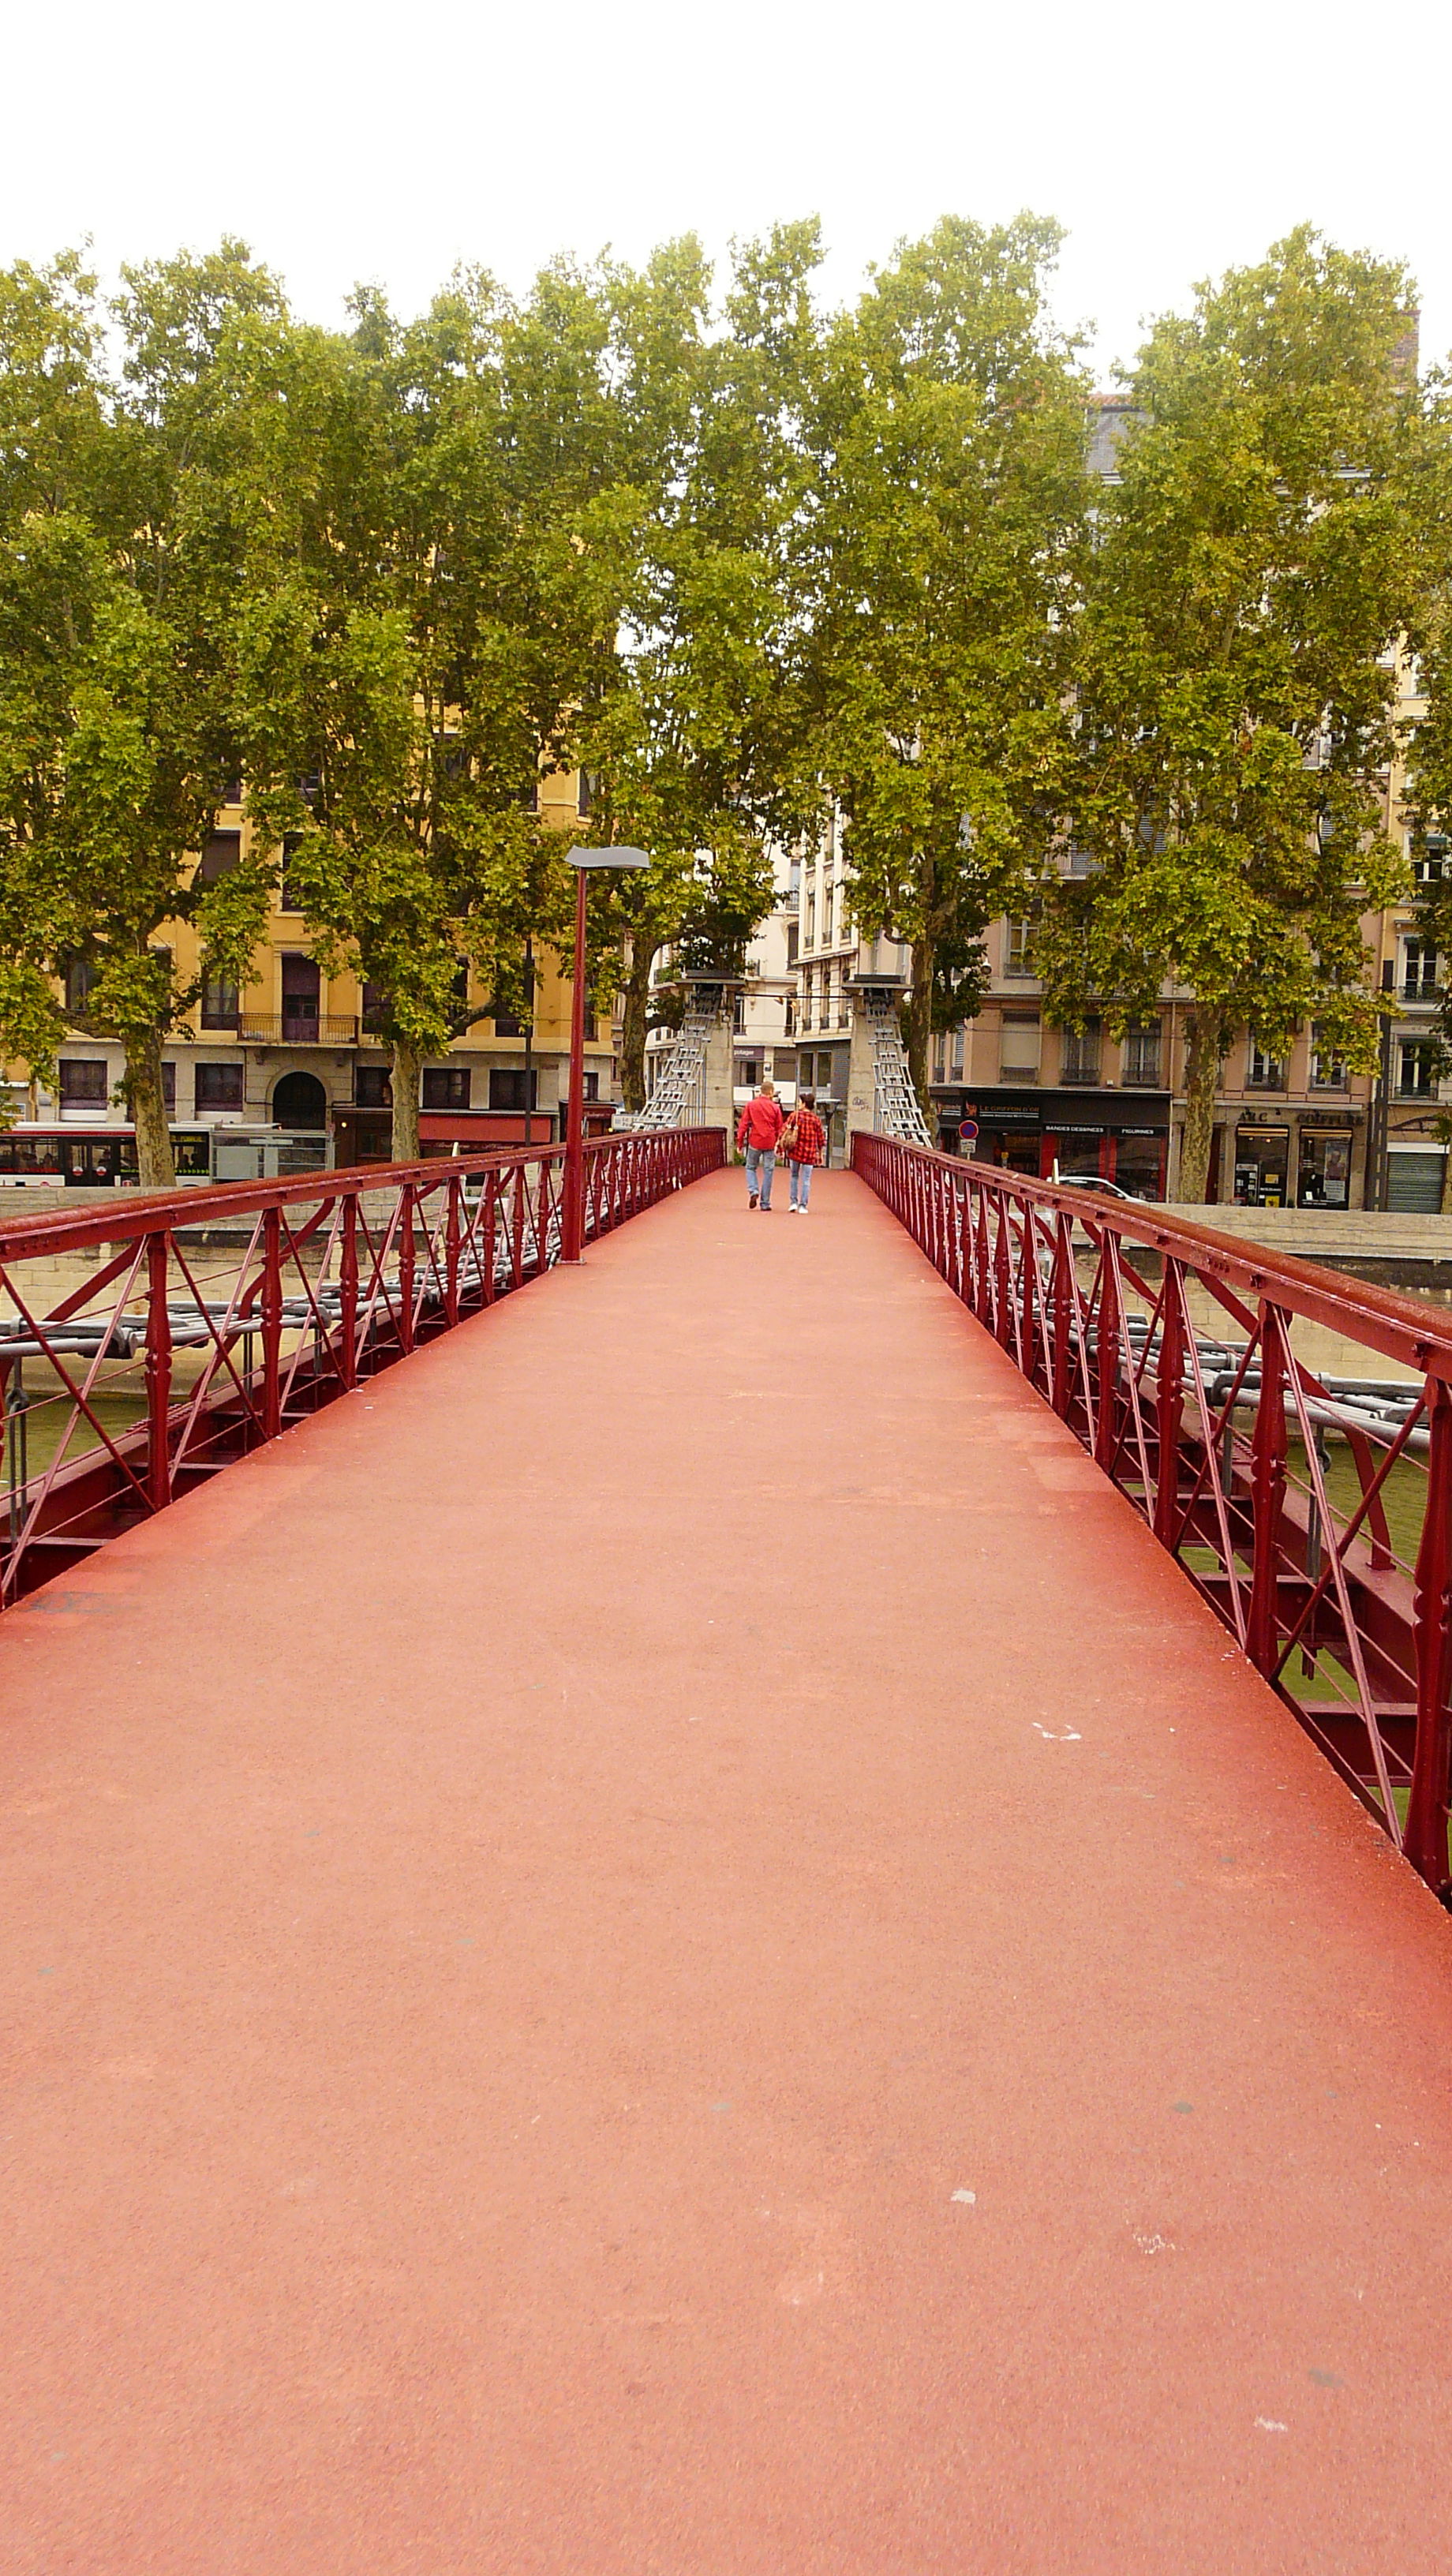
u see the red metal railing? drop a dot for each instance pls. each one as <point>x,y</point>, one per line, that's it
<point>147,1342</point>
<point>1221,1387</point>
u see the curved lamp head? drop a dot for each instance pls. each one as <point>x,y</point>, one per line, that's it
<point>611,856</point>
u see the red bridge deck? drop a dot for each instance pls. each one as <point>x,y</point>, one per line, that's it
<point>668,1944</point>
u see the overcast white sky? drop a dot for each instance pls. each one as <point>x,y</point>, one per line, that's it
<point>387,143</point>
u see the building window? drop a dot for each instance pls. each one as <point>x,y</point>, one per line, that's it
<point>1429,865</point>
<point>585,793</point>
<point>1018,948</point>
<point>221,1002</point>
<point>288,898</point>
<point>372,1009</point>
<point>232,792</point>
<point>1079,1060</point>
<point>219,1086</point>
<point>960,1050</point>
<point>1328,1069</point>
<point>446,1086</point>
<point>372,1088</point>
<point>82,1082</point>
<point>80,977</point>
<point>1018,1047</point>
<point>824,1072</point>
<point>221,853</point>
<point>591,1086</point>
<point>1142,1054</point>
<point>510,1089</point>
<point>746,1072</point>
<point>793,943</point>
<point>1419,971</point>
<point>1264,1071</point>
<point>1417,1069</point>
<point>811,936</point>
<point>507,1024</point>
<point>168,1085</point>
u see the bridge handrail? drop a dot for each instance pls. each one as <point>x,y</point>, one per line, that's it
<point>190,1325</point>
<point>133,1212</point>
<point>1338,1585</point>
<point>1400,1327</point>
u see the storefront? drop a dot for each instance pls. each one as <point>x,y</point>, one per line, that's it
<point>1262,1163</point>
<point>1104,1135</point>
<point>1305,1161</point>
<point>1324,1163</point>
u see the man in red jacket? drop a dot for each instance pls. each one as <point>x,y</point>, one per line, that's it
<point>760,1125</point>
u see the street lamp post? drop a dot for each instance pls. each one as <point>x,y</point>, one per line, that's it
<point>572,1212</point>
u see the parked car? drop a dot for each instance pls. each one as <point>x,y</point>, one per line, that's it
<point>1091,1181</point>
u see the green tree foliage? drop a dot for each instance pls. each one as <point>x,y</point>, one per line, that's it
<point>950,494</point>
<point>122,537</point>
<point>1252,571</point>
<point>693,736</point>
<point>1428,793</point>
<point>434,609</point>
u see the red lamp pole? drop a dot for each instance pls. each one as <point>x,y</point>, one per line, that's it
<point>572,1206</point>
<point>572,1213</point>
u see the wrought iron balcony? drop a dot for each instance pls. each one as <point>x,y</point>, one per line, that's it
<point>296,1028</point>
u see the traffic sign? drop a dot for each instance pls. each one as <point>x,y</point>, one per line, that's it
<point>967,1131</point>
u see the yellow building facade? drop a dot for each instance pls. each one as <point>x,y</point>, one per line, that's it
<point>288,1070</point>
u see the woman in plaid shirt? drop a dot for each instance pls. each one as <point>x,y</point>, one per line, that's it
<point>804,1142</point>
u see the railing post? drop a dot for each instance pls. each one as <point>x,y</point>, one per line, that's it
<point>158,1373</point>
<point>1267,1491</point>
<point>1002,1321</point>
<point>405,1267</point>
<point>451,1249</point>
<point>1106,1424</point>
<point>1063,1308</point>
<point>271,1323</point>
<point>485,1222</point>
<point>348,1292</point>
<point>1425,1842</point>
<point>519,1199</point>
<point>1169,1404</point>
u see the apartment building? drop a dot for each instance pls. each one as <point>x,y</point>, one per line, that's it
<point>292,1063</point>
<point>832,960</point>
<point>764,999</point>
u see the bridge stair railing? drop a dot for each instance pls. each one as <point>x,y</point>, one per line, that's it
<point>1285,1432</point>
<point>897,1109</point>
<point>147,1343</point>
<point>680,1084</point>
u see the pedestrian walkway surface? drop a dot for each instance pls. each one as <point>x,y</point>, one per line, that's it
<point>666,1944</point>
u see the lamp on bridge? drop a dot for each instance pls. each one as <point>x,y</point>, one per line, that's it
<point>572,1214</point>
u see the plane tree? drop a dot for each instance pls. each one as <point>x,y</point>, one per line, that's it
<point>1254,566</point>
<point>941,563</point>
<point>121,546</point>
<point>435,607</point>
<point>693,733</point>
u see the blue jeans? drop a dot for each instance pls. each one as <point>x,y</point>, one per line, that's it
<point>801,1183</point>
<point>760,1164</point>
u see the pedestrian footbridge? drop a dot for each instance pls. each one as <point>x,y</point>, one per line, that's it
<point>767,1907</point>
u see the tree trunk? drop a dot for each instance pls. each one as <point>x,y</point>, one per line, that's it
<point>636,1017</point>
<point>155,1160</point>
<point>920,1022</point>
<point>1202,1081</point>
<point>407,1070</point>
